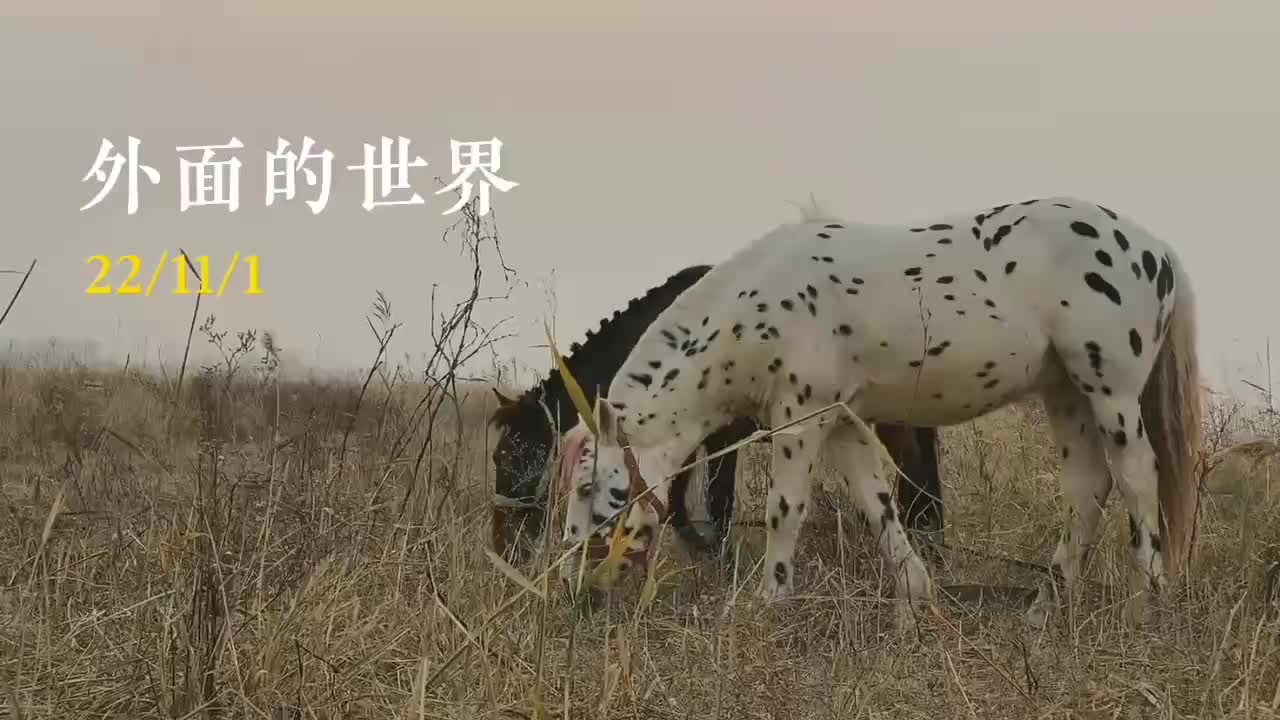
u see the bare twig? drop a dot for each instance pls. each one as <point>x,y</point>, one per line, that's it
<point>17,292</point>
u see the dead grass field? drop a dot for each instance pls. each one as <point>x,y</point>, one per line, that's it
<point>228,559</point>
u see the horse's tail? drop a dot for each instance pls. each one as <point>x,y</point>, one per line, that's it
<point>1171,412</point>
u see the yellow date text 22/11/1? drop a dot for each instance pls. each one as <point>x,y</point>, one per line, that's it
<point>185,273</point>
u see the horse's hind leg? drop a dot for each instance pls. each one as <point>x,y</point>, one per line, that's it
<point>1086,483</point>
<point>1133,462</point>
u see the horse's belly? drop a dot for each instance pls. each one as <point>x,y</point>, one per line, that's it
<point>955,380</point>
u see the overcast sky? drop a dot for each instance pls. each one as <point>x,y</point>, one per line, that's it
<point>644,140</point>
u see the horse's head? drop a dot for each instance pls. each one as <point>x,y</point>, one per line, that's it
<point>519,459</point>
<point>599,474</point>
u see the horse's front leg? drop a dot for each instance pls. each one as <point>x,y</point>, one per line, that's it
<point>787,507</point>
<point>858,461</point>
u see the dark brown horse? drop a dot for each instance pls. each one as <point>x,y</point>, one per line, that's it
<point>521,453</point>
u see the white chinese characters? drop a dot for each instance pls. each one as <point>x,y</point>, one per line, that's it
<point>117,160</point>
<point>209,175</point>
<point>469,157</point>
<point>292,164</point>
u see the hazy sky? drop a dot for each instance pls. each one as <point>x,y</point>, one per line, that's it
<point>645,138</point>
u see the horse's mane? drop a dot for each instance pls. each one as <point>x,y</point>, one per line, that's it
<point>594,361</point>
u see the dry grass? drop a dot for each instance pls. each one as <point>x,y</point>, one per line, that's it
<point>231,564</point>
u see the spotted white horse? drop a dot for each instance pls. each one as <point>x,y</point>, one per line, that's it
<point>932,325</point>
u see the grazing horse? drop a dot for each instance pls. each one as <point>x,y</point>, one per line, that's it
<point>520,456</point>
<point>932,325</point>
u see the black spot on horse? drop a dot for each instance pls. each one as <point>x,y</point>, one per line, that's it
<point>834,226</point>
<point>671,375</point>
<point>1084,228</point>
<point>911,271</point>
<point>981,275</point>
<point>1135,342</point>
<point>787,305</point>
<point>1121,240</point>
<point>1000,234</point>
<point>886,500</point>
<point>845,330</point>
<point>644,379</point>
<point>1137,270</point>
<point>949,296</point>
<point>991,383</point>
<point>1094,351</point>
<point>1099,284</point>
<point>1103,257</point>
<point>813,291</point>
<point>946,280</point>
<point>832,277</point>
<point>944,241</point>
<point>783,507</point>
<point>780,573</point>
<point>1009,266</point>
<point>786,453</point>
<point>1164,280</point>
<point>824,236</point>
<point>1108,212</point>
<point>655,364</point>
<point>761,307</point>
<point>1120,438</point>
<point>940,226</point>
<point>1149,264</point>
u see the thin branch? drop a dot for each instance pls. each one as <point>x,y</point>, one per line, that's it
<point>17,292</point>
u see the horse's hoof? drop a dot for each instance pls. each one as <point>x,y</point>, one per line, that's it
<point>771,592</point>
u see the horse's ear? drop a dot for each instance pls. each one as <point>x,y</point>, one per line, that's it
<point>503,400</point>
<point>607,413</point>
